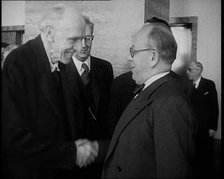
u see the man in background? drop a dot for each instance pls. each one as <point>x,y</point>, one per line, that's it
<point>38,118</point>
<point>204,101</point>
<point>90,80</point>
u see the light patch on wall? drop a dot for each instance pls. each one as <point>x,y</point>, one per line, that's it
<point>183,38</point>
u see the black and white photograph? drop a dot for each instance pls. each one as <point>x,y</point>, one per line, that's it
<point>111,89</point>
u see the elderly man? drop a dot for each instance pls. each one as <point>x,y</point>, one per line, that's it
<point>154,135</point>
<point>204,101</point>
<point>38,118</point>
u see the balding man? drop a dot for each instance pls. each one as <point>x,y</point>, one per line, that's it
<point>154,135</point>
<point>38,119</point>
<point>204,101</point>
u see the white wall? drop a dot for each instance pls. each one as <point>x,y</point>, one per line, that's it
<point>13,13</point>
<point>208,37</point>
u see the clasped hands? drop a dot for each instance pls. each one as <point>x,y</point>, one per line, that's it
<point>87,152</point>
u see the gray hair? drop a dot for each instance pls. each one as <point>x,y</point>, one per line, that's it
<point>88,22</point>
<point>53,17</point>
<point>164,41</point>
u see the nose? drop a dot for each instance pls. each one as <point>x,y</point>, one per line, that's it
<point>83,43</point>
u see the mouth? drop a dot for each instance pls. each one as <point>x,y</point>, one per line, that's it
<point>83,51</point>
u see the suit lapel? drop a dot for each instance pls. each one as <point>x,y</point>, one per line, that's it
<point>96,80</point>
<point>72,80</point>
<point>201,84</point>
<point>44,75</point>
<point>133,109</point>
<point>72,94</point>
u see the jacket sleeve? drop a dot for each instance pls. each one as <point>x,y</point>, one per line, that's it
<point>22,143</point>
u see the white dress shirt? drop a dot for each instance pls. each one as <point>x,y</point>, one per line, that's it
<point>78,64</point>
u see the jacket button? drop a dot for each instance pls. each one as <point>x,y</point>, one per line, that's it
<point>119,168</point>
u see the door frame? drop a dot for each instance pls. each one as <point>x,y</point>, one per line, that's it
<point>192,23</point>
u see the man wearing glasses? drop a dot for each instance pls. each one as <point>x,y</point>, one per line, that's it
<point>154,135</point>
<point>90,79</point>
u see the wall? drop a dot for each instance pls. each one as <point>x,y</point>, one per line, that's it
<point>208,37</point>
<point>13,13</point>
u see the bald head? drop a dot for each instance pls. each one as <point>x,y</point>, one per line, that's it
<point>160,36</point>
<point>153,50</point>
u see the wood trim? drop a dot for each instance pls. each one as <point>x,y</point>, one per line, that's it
<point>13,28</point>
<point>157,8</point>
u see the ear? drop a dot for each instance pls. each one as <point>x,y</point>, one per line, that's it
<point>154,60</point>
<point>50,34</point>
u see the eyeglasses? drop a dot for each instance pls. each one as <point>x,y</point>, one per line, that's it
<point>191,69</point>
<point>88,39</point>
<point>133,52</point>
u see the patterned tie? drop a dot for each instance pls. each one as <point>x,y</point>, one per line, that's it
<point>138,89</point>
<point>85,74</point>
<point>194,84</point>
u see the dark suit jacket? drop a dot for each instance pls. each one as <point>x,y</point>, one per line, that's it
<point>101,74</point>
<point>154,136</point>
<point>205,104</point>
<point>37,130</point>
<point>122,90</point>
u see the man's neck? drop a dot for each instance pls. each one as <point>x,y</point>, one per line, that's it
<point>196,79</point>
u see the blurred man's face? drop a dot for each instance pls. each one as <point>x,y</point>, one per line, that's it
<point>66,39</point>
<point>193,72</point>
<point>84,48</point>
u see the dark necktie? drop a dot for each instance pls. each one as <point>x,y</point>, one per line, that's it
<point>138,89</point>
<point>194,84</point>
<point>56,76</point>
<point>85,74</point>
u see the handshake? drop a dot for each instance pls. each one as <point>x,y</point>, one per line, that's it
<point>87,152</point>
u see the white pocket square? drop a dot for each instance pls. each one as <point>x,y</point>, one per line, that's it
<point>206,93</point>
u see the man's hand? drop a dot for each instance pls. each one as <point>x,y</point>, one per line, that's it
<point>87,151</point>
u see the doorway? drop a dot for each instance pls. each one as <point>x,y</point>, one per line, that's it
<point>185,32</point>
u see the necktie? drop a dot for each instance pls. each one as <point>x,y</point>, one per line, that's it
<point>194,84</point>
<point>138,89</point>
<point>85,74</point>
<point>56,77</point>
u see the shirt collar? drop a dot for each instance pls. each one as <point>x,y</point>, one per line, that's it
<point>78,64</point>
<point>54,66</point>
<point>154,78</point>
<point>197,82</point>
